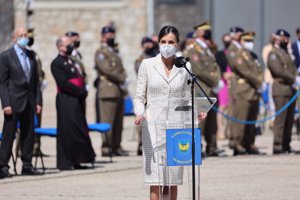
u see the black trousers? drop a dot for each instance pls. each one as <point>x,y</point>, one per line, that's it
<point>26,120</point>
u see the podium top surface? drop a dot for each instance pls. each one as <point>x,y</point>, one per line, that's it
<point>176,109</point>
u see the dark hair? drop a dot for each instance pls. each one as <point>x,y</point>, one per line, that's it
<point>298,30</point>
<point>166,30</point>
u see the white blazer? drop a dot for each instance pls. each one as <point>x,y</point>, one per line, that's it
<point>154,87</point>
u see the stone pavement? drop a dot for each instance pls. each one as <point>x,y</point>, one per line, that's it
<point>226,178</point>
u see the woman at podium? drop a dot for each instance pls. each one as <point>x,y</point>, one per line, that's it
<point>158,81</point>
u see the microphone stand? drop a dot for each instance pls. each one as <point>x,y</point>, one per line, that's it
<point>192,82</point>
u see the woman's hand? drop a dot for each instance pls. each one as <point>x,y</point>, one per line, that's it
<point>139,119</point>
<point>202,116</point>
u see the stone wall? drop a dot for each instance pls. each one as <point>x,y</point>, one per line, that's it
<point>6,23</point>
<point>183,16</point>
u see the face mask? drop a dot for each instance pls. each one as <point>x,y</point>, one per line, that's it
<point>226,45</point>
<point>22,42</point>
<point>77,44</point>
<point>207,35</point>
<point>249,45</point>
<point>111,42</point>
<point>167,50</point>
<point>30,41</point>
<point>283,45</point>
<point>69,50</point>
<point>149,51</point>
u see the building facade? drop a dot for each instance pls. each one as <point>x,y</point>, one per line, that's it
<point>6,23</point>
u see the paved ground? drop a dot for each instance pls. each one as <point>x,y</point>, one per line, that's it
<point>234,178</point>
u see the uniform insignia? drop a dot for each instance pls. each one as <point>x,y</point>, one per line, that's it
<point>72,69</point>
<point>195,57</point>
<point>273,56</point>
<point>69,61</point>
<point>65,63</point>
<point>101,56</point>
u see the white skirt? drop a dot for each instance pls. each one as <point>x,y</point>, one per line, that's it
<point>156,171</point>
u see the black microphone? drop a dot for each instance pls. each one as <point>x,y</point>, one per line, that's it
<point>181,61</point>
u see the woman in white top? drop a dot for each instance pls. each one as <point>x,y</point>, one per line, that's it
<point>158,81</point>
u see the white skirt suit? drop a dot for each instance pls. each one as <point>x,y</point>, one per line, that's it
<point>154,88</point>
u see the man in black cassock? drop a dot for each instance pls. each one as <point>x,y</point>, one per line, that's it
<point>73,141</point>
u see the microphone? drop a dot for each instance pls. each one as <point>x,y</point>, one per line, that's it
<point>181,61</point>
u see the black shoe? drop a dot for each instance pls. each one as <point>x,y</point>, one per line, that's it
<point>239,151</point>
<point>120,152</point>
<point>139,151</point>
<point>279,152</point>
<point>65,168</point>
<point>213,153</point>
<point>253,151</point>
<point>30,171</point>
<point>4,173</point>
<point>289,150</point>
<point>78,166</point>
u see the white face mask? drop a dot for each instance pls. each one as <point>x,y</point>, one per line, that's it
<point>167,50</point>
<point>249,45</point>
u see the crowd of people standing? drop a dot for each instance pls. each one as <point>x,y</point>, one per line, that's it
<point>234,75</point>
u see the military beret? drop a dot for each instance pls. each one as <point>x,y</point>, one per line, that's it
<point>71,34</point>
<point>30,32</point>
<point>282,32</point>
<point>108,29</point>
<point>236,29</point>
<point>203,26</point>
<point>248,35</point>
<point>145,40</point>
<point>190,35</point>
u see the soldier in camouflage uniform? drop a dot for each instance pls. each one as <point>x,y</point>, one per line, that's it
<point>248,86</point>
<point>285,77</point>
<point>111,92</point>
<point>233,48</point>
<point>208,75</point>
